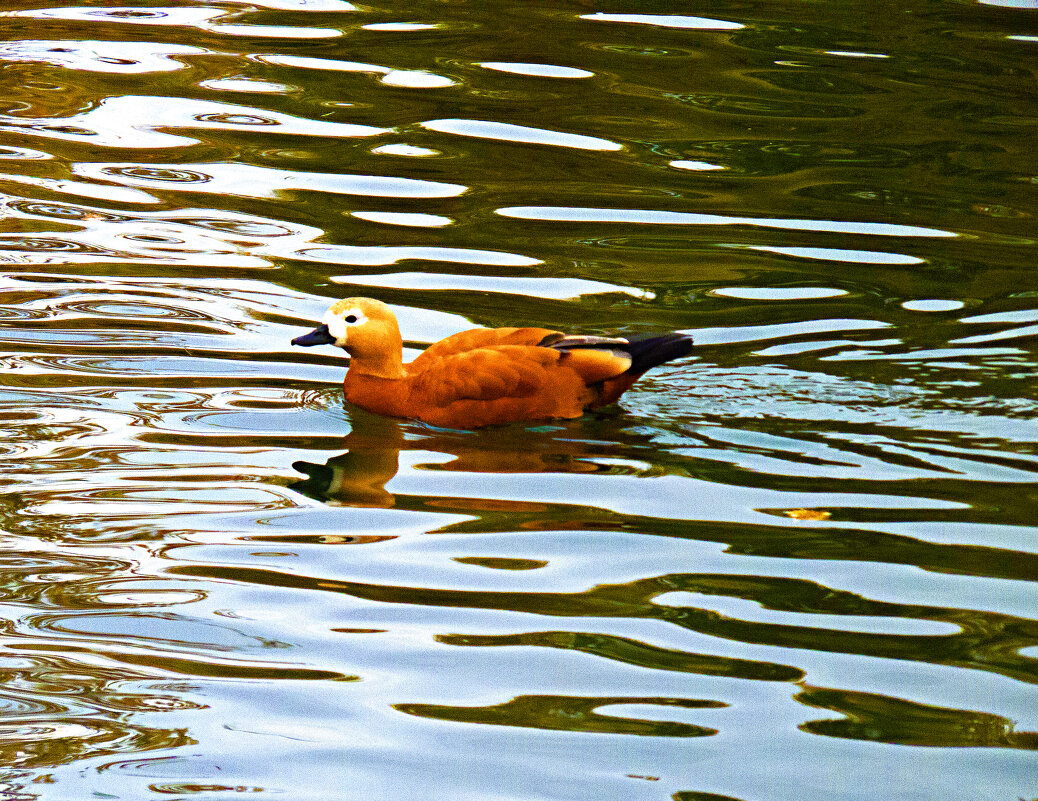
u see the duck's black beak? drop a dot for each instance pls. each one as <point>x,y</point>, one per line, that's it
<point>319,336</point>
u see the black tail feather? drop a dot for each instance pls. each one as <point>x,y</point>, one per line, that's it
<point>649,350</point>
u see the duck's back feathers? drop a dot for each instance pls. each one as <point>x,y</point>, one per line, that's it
<point>479,338</point>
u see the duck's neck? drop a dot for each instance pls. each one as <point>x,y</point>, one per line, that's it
<point>388,363</point>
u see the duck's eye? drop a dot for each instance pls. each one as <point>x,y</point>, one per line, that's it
<point>351,318</point>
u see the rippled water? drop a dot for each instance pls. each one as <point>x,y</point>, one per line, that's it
<point>800,564</point>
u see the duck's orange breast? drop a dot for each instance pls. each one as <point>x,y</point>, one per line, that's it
<point>387,396</point>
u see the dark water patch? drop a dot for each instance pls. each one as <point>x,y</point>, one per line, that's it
<point>868,717</point>
<point>571,714</point>
<point>634,652</point>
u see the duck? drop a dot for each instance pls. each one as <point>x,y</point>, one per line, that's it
<point>484,376</point>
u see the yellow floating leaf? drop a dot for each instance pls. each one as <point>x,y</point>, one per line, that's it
<point>808,514</point>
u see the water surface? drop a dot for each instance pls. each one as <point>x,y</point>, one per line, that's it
<point>800,563</point>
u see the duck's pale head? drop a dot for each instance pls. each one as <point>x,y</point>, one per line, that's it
<point>364,328</point>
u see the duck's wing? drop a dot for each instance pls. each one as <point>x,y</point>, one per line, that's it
<point>643,351</point>
<point>479,338</point>
<point>481,374</point>
<point>517,370</point>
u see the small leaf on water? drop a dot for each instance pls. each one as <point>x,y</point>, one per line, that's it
<point>808,514</point>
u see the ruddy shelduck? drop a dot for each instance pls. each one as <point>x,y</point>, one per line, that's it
<point>485,376</point>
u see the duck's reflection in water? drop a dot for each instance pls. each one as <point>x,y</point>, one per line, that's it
<point>359,476</point>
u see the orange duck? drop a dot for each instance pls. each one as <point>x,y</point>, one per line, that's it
<point>485,376</point>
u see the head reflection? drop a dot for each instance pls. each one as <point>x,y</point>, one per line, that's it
<point>359,476</point>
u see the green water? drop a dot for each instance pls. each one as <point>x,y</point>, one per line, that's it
<point>799,564</point>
